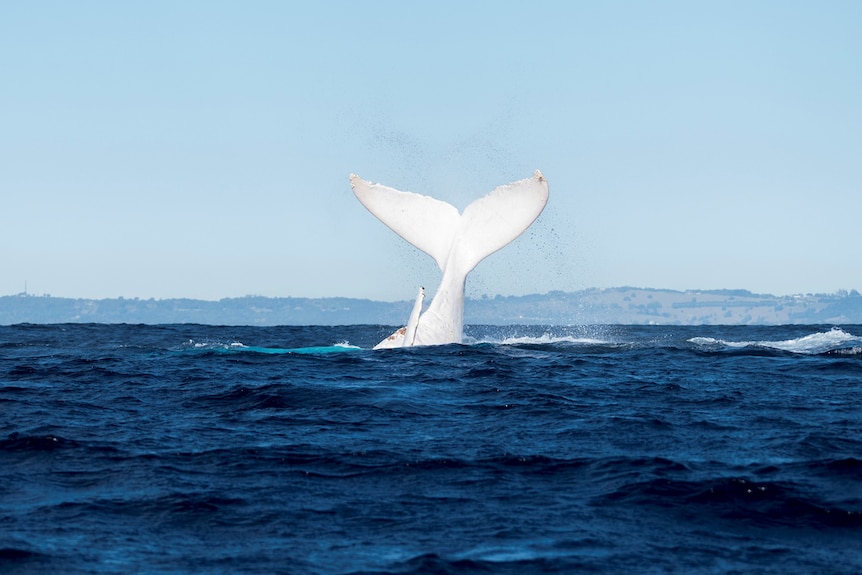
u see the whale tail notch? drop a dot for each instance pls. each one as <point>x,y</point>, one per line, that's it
<point>435,227</point>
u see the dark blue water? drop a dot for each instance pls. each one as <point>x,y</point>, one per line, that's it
<point>200,449</point>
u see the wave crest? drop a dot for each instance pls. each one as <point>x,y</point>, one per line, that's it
<point>832,341</point>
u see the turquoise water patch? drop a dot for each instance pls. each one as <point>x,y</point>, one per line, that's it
<point>318,349</point>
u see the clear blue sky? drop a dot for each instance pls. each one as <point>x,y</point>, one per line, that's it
<point>202,149</point>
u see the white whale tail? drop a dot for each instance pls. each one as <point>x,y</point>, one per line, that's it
<point>457,242</point>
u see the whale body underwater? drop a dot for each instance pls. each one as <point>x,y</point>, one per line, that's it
<point>456,241</point>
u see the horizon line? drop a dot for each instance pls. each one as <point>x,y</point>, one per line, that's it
<point>715,291</point>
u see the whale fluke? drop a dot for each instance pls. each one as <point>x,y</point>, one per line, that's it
<point>457,242</point>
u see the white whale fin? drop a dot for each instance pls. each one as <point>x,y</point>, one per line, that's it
<point>413,322</point>
<point>493,221</point>
<point>426,223</point>
<point>405,336</point>
<point>393,341</point>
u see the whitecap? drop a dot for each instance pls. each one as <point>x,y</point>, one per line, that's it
<point>346,344</point>
<point>814,343</point>
<point>547,338</point>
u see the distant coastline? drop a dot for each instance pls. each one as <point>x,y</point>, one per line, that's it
<point>623,305</point>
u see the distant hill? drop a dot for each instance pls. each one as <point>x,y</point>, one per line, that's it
<point>625,305</point>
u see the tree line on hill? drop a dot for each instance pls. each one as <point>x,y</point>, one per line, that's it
<point>625,305</point>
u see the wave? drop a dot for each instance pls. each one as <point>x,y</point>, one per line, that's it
<point>16,553</point>
<point>762,503</point>
<point>17,442</point>
<point>551,337</point>
<point>834,341</point>
<point>488,561</point>
<point>548,338</point>
<point>579,339</point>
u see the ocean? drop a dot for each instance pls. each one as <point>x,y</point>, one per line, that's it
<point>299,450</point>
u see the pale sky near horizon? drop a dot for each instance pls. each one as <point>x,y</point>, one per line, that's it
<point>202,149</point>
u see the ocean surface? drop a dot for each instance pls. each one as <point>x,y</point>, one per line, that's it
<point>610,449</point>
